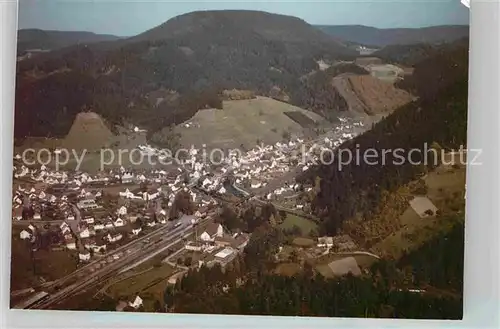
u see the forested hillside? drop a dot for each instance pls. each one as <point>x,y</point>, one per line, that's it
<point>191,54</point>
<point>416,54</point>
<point>406,54</point>
<point>439,116</point>
<point>438,72</point>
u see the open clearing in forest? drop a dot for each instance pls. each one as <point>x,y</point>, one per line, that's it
<point>305,225</point>
<point>244,122</point>
<point>446,190</point>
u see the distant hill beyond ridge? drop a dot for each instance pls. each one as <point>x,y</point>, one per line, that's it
<point>372,36</point>
<point>36,39</point>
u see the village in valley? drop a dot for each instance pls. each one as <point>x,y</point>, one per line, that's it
<point>241,162</point>
<point>117,221</point>
<point>123,234</point>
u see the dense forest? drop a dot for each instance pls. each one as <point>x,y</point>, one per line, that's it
<point>439,116</point>
<point>433,74</point>
<point>418,53</point>
<point>189,54</point>
<point>408,55</point>
<point>383,291</point>
<point>342,68</point>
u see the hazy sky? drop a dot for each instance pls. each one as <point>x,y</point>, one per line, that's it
<point>130,17</point>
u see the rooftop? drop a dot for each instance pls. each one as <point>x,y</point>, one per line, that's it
<point>224,253</point>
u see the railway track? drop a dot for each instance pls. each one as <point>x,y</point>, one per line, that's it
<point>85,282</point>
<point>87,269</point>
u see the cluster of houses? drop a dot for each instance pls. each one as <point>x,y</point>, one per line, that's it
<point>256,168</point>
<point>31,204</point>
<point>75,181</point>
<point>75,195</point>
<point>75,202</point>
<point>95,234</point>
<point>252,169</point>
<point>89,234</point>
<point>217,245</point>
<point>72,180</point>
<point>83,226</point>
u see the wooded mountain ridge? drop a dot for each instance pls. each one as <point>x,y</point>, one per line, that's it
<point>191,54</point>
<point>165,75</point>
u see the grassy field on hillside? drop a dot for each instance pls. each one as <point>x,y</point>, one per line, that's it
<point>243,122</point>
<point>47,265</point>
<point>304,224</point>
<point>446,189</point>
<point>152,281</point>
